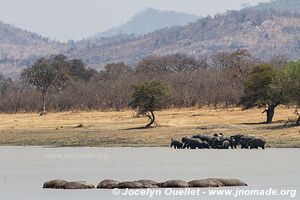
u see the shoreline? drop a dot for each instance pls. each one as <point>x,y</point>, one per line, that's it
<point>140,147</point>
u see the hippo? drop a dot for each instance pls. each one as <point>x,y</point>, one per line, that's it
<point>205,183</point>
<point>149,183</point>
<point>175,184</point>
<point>130,185</point>
<point>55,184</point>
<point>78,185</point>
<point>108,184</point>
<point>230,182</point>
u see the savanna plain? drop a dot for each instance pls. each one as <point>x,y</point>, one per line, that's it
<point>122,129</point>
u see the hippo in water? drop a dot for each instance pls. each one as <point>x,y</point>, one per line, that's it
<point>174,184</point>
<point>55,184</point>
<point>149,183</point>
<point>62,184</point>
<point>205,183</point>
<point>130,185</point>
<point>231,182</point>
<point>108,184</point>
<point>78,185</point>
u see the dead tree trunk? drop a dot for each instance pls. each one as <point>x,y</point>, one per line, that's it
<point>152,119</point>
<point>43,102</point>
<point>270,113</point>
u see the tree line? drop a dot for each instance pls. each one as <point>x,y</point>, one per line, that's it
<point>57,83</point>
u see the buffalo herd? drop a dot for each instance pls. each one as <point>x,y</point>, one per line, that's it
<point>219,141</point>
<point>112,184</point>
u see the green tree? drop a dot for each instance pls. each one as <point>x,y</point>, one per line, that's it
<point>46,73</point>
<point>148,97</point>
<point>78,70</point>
<point>292,75</point>
<point>264,88</point>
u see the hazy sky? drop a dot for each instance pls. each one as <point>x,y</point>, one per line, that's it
<point>76,19</point>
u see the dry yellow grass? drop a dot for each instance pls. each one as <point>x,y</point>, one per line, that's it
<point>118,128</point>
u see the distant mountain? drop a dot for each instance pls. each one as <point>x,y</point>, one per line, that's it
<point>19,48</point>
<point>149,20</point>
<point>264,33</point>
<point>281,5</point>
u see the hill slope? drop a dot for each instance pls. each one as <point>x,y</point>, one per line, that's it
<point>281,5</point>
<point>149,20</point>
<point>19,48</point>
<point>264,33</point>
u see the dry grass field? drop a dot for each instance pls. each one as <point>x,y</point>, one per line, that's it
<point>120,128</point>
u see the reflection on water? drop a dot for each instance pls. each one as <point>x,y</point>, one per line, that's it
<point>23,170</point>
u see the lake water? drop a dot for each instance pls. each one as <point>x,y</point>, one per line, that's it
<point>23,170</point>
